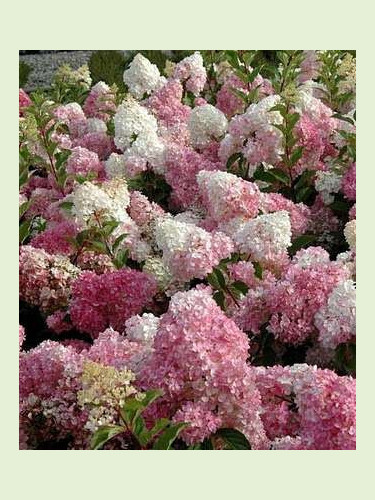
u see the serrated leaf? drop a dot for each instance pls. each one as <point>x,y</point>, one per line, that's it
<point>343,118</point>
<point>232,159</point>
<point>258,270</point>
<point>23,208</point>
<point>165,441</point>
<point>295,156</point>
<point>304,193</point>
<point>118,240</point>
<point>282,128</point>
<point>104,434</point>
<point>340,206</point>
<point>279,175</point>
<point>241,95</point>
<point>24,230</point>
<point>304,179</point>
<point>160,424</point>
<point>233,439</point>
<point>301,242</point>
<point>121,258</point>
<point>109,227</point>
<point>219,298</point>
<point>292,119</point>
<point>98,246</point>
<point>240,286</point>
<point>133,407</point>
<point>220,277</point>
<point>66,205</point>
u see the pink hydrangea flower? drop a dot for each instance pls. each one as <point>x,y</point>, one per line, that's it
<point>21,336</point>
<point>348,185</point>
<point>100,103</point>
<point>84,162</point>
<point>23,101</point>
<point>200,357</point>
<point>109,299</point>
<point>296,298</point>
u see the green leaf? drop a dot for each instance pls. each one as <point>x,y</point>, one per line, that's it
<point>279,175</point>
<point>23,208</point>
<point>165,441</point>
<point>343,118</point>
<point>110,226</point>
<point>239,94</point>
<point>232,58</point>
<point>304,179</point>
<point>220,277</point>
<point>258,270</point>
<point>118,240</point>
<point>147,436</point>
<point>304,193</point>
<point>232,159</point>
<point>241,287</point>
<point>242,74</point>
<point>295,156</point>
<point>292,120</point>
<point>233,439</point>
<point>83,236</point>
<point>104,434</point>
<point>134,407</point>
<point>66,205</point>
<point>121,258</point>
<point>219,298</point>
<point>139,428</point>
<point>340,206</point>
<point>98,246</point>
<point>24,175</point>
<point>263,175</point>
<point>300,242</point>
<point>282,128</point>
<point>24,230</point>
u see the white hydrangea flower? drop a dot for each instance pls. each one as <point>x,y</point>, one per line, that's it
<point>115,166</point>
<point>110,200</point>
<point>136,134</point>
<point>258,115</point>
<point>350,234</point>
<point>173,236</point>
<point>156,267</point>
<point>265,236</point>
<point>150,147</point>
<point>96,125</point>
<point>206,123</point>
<point>336,321</point>
<point>131,120</point>
<point>142,77</point>
<point>143,328</point>
<point>326,183</point>
<point>311,256</point>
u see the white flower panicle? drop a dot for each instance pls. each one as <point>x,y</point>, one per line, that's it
<point>95,125</point>
<point>206,123</point>
<point>265,236</point>
<point>327,183</point>
<point>350,234</point>
<point>336,321</point>
<point>143,328</point>
<point>115,166</point>
<point>142,77</point>
<point>109,200</point>
<point>136,133</point>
